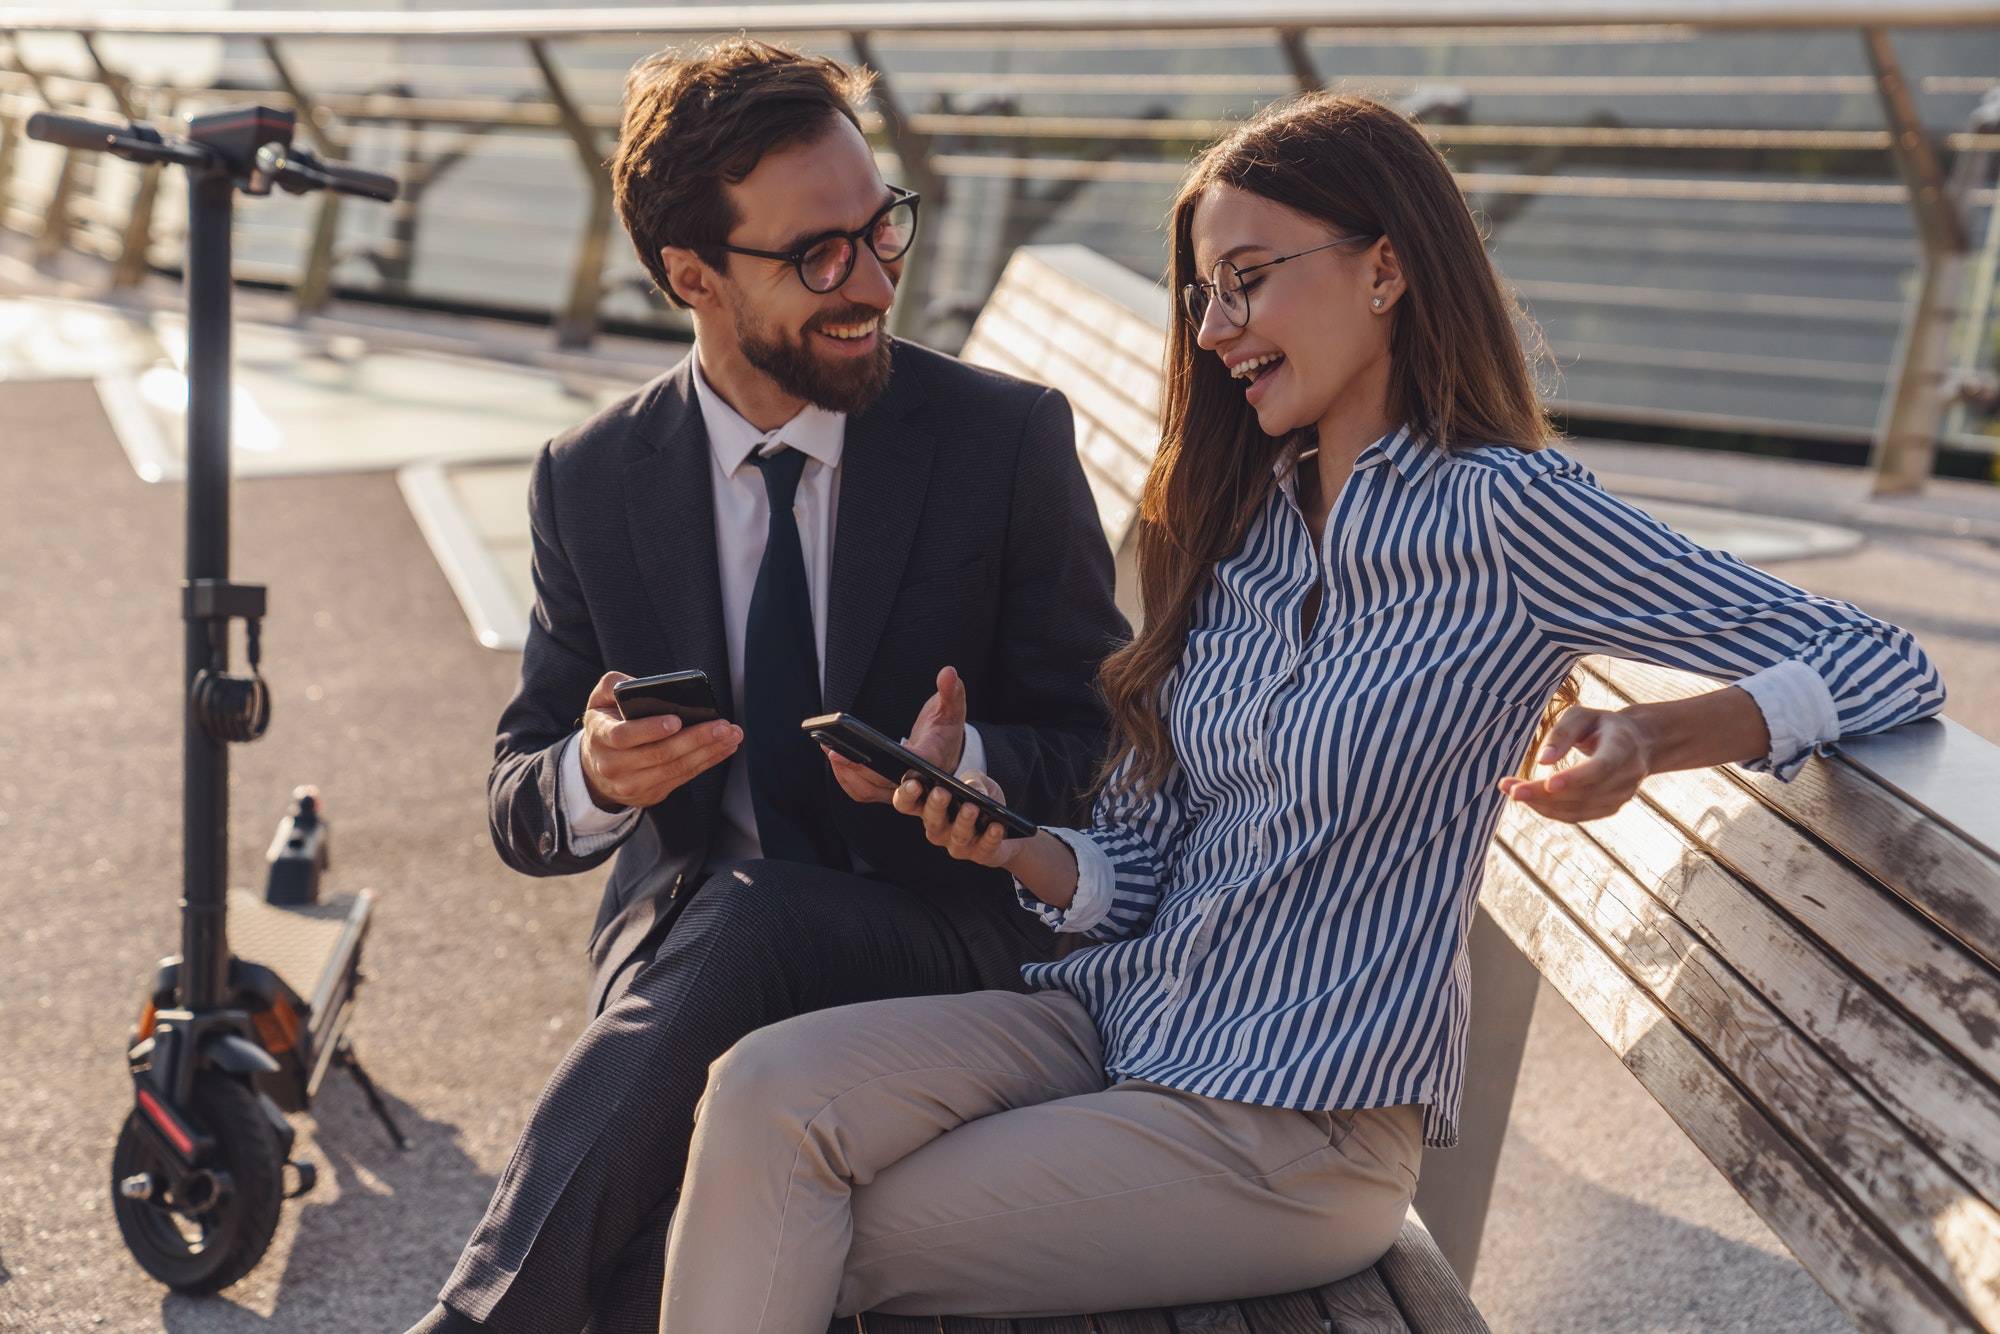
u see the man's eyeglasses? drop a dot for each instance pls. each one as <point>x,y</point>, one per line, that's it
<point>1226,284</point>
<point>824,262</point>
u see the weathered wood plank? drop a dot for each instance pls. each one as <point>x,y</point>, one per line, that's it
<point>1927,972</point>
<point>1872,1282</point>
<point>1361,1304</point>
<point>972,1324</point>
<point>1949,1107</point>
<point>1133,1322</point>
<point>876,1323</point>
<point>1423,1285</point>
<point>1847,1135</point>
<point>1213,1318</point>
<point>1948,878</point>
<point>1060,1324</point>
<point>1291,1313</point>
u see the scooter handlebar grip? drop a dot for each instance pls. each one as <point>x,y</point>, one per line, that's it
<point>74,131</point>
<point>346,180</point>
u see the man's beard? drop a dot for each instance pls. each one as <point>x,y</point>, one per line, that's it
<point>843,386</point>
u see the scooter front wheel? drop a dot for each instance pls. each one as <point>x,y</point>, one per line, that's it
<point>214,1237</point>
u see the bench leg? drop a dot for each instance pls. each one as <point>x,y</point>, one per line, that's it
<point>1457,1183</point>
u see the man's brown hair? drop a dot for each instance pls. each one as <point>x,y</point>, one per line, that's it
<point>698,117</point>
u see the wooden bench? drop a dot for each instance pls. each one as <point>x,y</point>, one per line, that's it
<point>1805,975</point>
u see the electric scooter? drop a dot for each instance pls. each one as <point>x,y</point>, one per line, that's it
<point>224,1046</point>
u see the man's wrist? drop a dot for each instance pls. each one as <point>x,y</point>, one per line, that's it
<point>597,799</point>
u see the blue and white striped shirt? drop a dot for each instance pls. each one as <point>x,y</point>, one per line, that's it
<point>1284,922</point>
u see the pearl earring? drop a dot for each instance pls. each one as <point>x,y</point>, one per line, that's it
<point>1377,303</point>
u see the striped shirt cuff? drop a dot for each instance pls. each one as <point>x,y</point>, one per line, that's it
<point>1092,901</point>
<point>591,828</point>
<point>1798,711</point>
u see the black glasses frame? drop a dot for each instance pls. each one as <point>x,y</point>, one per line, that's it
<point>1198,313</point>
<point>797,258</point>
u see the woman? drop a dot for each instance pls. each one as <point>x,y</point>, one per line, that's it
<point>1364,576</point>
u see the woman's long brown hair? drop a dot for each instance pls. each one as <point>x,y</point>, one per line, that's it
<point>1459,372</point>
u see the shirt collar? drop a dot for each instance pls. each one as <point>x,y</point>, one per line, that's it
<point>1407,450</point>
<point>815,432</point>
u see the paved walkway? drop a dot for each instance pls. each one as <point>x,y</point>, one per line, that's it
<point>1605,1220</point>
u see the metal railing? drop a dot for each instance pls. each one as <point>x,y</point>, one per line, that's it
<point>975,150</point>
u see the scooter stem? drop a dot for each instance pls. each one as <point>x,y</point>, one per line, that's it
<point>205,802</point>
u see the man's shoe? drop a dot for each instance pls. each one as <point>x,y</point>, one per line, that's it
<point>444,1320</point>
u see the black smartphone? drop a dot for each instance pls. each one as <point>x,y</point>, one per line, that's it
<point>845,733</point>
<point>688,696</point>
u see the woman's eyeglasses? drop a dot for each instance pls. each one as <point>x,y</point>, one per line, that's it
<point>825,262</point>
<point>1227,289</point>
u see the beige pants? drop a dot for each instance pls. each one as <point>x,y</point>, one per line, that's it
<point>963,1155</point>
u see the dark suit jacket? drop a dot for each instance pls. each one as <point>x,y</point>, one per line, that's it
<point>966,535</point>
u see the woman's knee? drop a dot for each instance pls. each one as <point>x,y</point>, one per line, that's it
<point>758,1080</point>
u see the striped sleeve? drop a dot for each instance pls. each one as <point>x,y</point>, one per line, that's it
<point>1598,575</point>
<point>1120,860</point>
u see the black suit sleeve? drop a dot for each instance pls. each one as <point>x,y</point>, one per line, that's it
<point>1045,731</point>
<point>560,666</point>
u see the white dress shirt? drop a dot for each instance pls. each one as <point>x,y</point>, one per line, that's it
<point>742,521</point>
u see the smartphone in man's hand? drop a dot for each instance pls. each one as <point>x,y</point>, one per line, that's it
<point>687,696</point>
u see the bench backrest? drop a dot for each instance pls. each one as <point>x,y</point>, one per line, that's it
<point>1805,975</point>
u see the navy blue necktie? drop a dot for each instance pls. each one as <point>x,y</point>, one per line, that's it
<point>781,686</point>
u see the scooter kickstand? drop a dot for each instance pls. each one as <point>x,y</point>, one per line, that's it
<point>344,1053</point>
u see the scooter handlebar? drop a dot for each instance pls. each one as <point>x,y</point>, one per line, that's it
<point>346,180</point>
<point>74,131</point>
<point>339,177</point>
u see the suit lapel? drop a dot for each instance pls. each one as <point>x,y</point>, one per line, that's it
<point>885,467</point>
<point>670,513</point>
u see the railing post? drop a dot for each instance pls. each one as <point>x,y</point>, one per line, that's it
<point>1913,411</point>
<point>54,234</point>
<point>315,287</point>
<point>909,316</point>
<point>1304,68</point>
<point>137,237</point>
<point>586,284</point>
<point>10,142</point>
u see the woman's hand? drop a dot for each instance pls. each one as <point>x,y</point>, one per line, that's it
<point>1618,750</point>
<point>958,836</point>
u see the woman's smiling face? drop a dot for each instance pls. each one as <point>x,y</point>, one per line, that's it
<point>1314,338</point>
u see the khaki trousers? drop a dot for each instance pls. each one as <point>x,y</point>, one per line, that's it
<point>965,1155</point>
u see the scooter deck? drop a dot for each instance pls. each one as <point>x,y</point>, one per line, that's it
<point>311,947</point>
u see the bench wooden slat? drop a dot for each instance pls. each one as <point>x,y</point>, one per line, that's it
<point>1133,1322</point>
<point>1361,1304</point>
<point>1215,1318</point>
<point>1866,1037</point>
<point>1424,1286</point>
<point>972,1324</point>
<point>1927,972</point>
<point>1292,1313</point>
<point>1870,1036</point>
<point>1062,1324</point>
<point>1849,1137</point>
<point>1874,1283</point>
<point>1936,870</point>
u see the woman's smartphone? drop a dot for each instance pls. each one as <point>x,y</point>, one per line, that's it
<point>848,735</point>
<point>688,696</point>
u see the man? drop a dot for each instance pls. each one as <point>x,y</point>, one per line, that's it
<point>820,518</point>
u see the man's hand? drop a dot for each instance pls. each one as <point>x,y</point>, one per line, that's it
<point>638,763</point>
<point>938,736</point>
<point>1619,755</point>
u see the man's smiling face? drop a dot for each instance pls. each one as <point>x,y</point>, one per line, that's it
<point>830,349</point>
